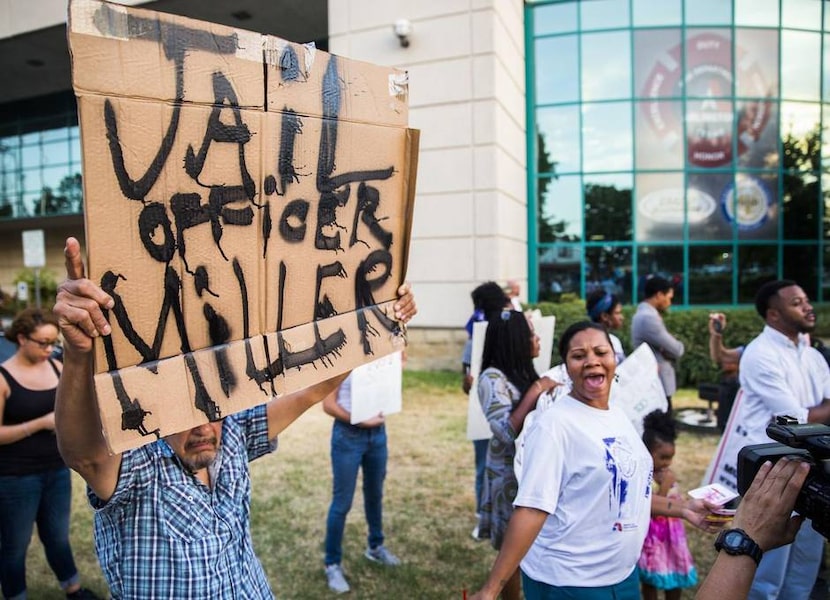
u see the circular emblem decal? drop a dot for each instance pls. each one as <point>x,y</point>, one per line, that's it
<point>751,208</point>
<point>707,84</point>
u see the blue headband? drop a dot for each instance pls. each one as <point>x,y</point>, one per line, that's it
<point>603,306</point>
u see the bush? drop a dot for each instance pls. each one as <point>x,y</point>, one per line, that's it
<point>689,326</point>
<point>48,291</point>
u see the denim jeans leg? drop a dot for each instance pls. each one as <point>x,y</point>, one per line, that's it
<point>347,445</point>
<point>480,447</point>
<point>19,499</point>
<point>374,474</point>
<point>53,525</point>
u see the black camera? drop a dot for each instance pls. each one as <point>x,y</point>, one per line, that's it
<point>807,441</point>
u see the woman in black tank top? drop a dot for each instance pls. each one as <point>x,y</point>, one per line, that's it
<point>35,485</point>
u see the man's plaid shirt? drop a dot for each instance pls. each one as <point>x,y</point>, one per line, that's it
<point>164,534</point>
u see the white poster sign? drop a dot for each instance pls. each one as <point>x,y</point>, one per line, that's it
<point>638,390</point>
<point>377,388</point>
<point>723,468</point>
<point>544,327</point>
<point>34,249</point>
<point>477,426</point>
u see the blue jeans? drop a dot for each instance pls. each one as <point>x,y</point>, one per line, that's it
<point>480,448</point>
<point>45,499</point>
<point>352,448</point>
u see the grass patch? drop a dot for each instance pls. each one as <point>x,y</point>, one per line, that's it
<point>428,506</point>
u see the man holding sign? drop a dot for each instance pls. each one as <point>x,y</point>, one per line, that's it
<point>172,517</point>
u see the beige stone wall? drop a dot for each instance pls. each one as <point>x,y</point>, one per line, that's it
<point>467,96</point>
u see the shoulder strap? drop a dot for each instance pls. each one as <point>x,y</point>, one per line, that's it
<point>54,367</point>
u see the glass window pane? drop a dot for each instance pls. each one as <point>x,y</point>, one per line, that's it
<point>56,153</point>
<point>666,261</point>
<point>704,211</point>
<point>660,206</point>
<point>51,135</point>
<point>560,269</point>
<point>800,65</point>
<point>30,156</point>
<point>648,12</point>
<point>708,63</point>
<point>825,280</point>
<point>559,141</point>
<point>826,67</point>
<point>800,205</point>
<point>658,62</point>
<point>659,134</point>
<point>604,14</point>
<point>710,274</point>
<point>560,209</point>
<point>756,12</point>
<point>825,137</point>
<point>51,177</point>
<point>754,208</point>
<point>75,150</point>
<point>801,265</point>
<point>606,137</point>
<point>554,18</point>
<point>800,135</point>
<point>756,57</point>
<point>30,139</point>
<point>825,186</point>
<point>756,266</point>
<point>757,132</point>
<point>709,132</point>
<point>801,14</point>
<point>557,75</point>
<point>609,267</point>
<point>608,208</point>
<point>708,12</point>
<point>606,65</point>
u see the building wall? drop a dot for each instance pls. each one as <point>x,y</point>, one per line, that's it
<point>467,79</point>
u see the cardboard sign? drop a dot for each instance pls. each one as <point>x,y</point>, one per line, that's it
<point>248,205</point>
<point>377,388</point>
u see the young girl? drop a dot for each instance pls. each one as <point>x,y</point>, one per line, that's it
<point>665,562</point>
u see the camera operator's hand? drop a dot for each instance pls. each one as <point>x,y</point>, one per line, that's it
<point>764,511</point>
<point>765,515</point>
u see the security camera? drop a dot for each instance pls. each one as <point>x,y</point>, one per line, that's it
<point>403,29</point>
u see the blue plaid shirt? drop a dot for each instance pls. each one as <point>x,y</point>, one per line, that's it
<point>163,534</point>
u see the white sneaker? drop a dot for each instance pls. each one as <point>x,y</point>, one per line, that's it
<point>336,579</point>
<point>383,556</point>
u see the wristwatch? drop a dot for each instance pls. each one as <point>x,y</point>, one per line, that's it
<point>738,543</point>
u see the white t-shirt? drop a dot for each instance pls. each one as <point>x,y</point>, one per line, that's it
<point>590,471</point>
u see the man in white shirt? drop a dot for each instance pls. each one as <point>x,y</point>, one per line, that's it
<point>781,374</point>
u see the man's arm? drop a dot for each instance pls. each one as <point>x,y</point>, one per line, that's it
<point>77,422</point>
<point>651,329</point>
<point>765,515</point>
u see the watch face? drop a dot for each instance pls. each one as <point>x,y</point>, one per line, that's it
<point>733,539</point>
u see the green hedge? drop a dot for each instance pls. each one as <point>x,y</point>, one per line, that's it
<point>690,326</point>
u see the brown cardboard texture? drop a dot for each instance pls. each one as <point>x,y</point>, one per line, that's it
<point>248,203</point>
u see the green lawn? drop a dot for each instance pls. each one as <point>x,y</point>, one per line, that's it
<point>428,508</point>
